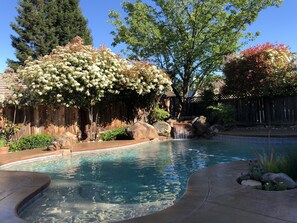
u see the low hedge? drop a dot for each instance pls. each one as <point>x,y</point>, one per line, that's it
<point>30,142</point>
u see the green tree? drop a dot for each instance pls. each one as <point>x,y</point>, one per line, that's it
<point>187,38</point>
<point>69,21</point>
<point>41,25</point>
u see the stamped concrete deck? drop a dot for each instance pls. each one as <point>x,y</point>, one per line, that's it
<point>212,195</point>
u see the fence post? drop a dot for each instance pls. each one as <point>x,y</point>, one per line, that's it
<point>268,109</point>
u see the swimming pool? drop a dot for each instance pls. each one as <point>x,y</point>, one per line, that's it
<point>114,185</point>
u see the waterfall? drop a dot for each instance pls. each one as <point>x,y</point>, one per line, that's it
<point>182,131</point>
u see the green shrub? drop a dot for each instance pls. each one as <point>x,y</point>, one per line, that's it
<point>30,142</point>
<point>115,134</point>
<point>158,114</point>
<point>3,142</point>
<point>279,164</point>
<point>273,163</point>
<point>222,114</point>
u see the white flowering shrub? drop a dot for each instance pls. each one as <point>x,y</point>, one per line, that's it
<point>143,79</point>
<point>16,94</point>
<point>71,75</point>
<point>79,75</point>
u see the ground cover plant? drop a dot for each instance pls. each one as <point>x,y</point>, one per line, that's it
<point>30,142</point>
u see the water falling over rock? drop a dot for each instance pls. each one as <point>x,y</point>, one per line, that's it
<point>182,130</point>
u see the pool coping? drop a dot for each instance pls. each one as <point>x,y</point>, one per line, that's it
<point>212,195</point>
<point>16,190</point>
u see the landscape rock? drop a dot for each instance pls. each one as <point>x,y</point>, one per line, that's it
<point>216,128</point>
<point>265,178</point>
<point>142,130</point>
<point>53,146</point>
<point>200,126</point>
<point>279,178</point>
<point>163,128</point>
<point>252,183</point>
<point>283,178</point>
<point>63,142</point>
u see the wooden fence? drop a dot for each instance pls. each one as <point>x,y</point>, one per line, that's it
<point>57,120</point>
<point>249,111</point>
<point>278,110</point>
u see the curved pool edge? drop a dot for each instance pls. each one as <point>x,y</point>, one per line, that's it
<point>17,188</point>
<point>213,195</point>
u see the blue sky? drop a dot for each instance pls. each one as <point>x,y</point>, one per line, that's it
<point>275,25</point>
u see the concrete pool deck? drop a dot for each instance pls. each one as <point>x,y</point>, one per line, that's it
<point>212,194</point>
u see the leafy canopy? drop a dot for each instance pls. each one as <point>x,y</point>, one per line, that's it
<point>265,69</point>
<point>186,38</point>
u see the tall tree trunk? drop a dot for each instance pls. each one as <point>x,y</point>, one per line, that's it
<point>186,88</point>
<point>91,119</point>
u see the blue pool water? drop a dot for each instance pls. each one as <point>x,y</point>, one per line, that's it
<point>113,185</point>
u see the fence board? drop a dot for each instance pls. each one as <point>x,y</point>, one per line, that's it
<point>278,110</point>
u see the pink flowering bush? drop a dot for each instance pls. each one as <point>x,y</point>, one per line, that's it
<point>266,69</point>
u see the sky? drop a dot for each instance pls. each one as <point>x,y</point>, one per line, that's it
<point>275,25</point>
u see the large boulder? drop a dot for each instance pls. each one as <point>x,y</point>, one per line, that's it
<point>142,130</point>
<point>283,178</point>
<point>216,128</point>
<point>65,141</point>
<point>163,128</point>
<point>200,126</point>
<point>279,178</point>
